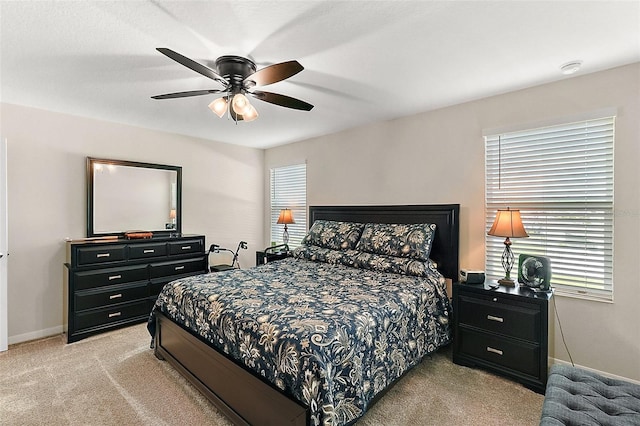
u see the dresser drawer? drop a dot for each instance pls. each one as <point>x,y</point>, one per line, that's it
<point>94,255</point>
<point>178,267</point>
<point>143,251</point>
<point>113,314</point>
<point>513,354</point>
<point>520,321</point>
<point>111,295</point>
<point>185,247</point>
<point>110,276</point>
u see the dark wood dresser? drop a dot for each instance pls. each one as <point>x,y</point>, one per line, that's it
<point>113,283</point>
<point>504,330</point>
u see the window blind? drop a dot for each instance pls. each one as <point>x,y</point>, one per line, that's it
<point>561,179</point>
<point>289,191</point>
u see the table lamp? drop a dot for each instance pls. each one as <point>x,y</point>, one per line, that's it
<point>286,217</point>
<point>508,224</point>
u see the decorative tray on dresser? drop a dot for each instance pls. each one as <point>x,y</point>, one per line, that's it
<point>114,282</point>
<point>504,330</point>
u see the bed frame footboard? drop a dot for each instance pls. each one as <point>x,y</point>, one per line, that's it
<point>238,394</point>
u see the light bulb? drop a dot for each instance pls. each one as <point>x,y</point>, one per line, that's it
<point>219,107</point>
<point>240,103</point>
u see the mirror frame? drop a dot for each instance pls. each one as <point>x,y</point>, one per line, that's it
<point>91,195</point>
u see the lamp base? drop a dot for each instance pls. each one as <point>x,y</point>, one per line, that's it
<point>506,282</point>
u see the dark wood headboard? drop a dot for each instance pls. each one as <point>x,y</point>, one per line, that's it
<point>446,217</point>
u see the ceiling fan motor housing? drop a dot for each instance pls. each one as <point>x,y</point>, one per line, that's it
<point>235,69</point>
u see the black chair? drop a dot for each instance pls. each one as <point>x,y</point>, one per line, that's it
<point>234,263</point>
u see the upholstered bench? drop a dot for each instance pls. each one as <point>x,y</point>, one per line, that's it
<point>578,397</point>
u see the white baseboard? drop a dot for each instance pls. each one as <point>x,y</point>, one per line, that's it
<point>39,334</point>
<point>602,373</point>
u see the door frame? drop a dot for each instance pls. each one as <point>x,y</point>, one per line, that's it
<point>4,247</point>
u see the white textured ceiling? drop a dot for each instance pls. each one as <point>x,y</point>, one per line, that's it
<point>365,61</point>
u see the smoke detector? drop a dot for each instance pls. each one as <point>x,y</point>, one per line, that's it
<point>570,67</point>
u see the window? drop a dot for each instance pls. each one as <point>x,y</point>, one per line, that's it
<point>561,179</point>
<point>289,191</point>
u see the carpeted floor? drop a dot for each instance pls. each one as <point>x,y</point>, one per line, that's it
<point>114,379</point>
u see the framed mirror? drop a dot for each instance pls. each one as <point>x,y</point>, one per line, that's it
<point>127,196</point>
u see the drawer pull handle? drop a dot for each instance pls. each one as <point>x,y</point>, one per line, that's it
<point>495,299</point>
<point>186,247</point>
<point>103,254</point>
<point>115,296</point>
<point>492,318</point>
<point>115,277</point>
<point>115,314</point>
<point>149,251</point>
<point>178,268</point>
<point>495,351</point>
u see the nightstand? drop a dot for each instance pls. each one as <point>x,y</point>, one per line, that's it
<point>268,255</point>
<point>504,330</point>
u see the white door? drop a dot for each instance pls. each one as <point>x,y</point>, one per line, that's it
<point>4,247</point>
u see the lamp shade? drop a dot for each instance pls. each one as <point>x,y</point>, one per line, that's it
<point>219,107</point>
<point>250,113</point>
<point>239,103</point>
<point>286,217</point>
<point>508,224</point>
<point>172,214</point>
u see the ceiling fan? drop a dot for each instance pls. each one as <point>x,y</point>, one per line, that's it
<point>238,77</point>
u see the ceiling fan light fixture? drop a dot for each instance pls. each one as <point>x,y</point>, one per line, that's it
<point>219,107</point>
<point>250,113</point>
<point>240,103</point>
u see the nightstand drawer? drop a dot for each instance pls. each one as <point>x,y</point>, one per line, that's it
<point>93,255</point>
<point>143,251</point>
<point>516,355</point>
<point>110,276</point>
<point>520,321</point>
<point>117,313</point>
<point>105,296</point>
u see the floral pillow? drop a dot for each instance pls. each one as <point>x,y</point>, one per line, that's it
<point>375,262</point>
<point>401,240</point>
<point>394,264</point>
<point>333,235</point>
<point>325,255</point>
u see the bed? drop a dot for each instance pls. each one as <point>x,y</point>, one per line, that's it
<point>319,337</point>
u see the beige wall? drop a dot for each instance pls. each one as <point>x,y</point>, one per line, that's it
<point>438,157</point>
<point>434,157</point>
<point>222,198</point>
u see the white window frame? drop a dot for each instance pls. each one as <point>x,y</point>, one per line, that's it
<point>288,190</point>
<point>560,177</point>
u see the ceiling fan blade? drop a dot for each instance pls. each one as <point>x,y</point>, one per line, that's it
<point>282,100</point>
<point>190,63</point>
<point>274,73</point>
<point>187,94</point>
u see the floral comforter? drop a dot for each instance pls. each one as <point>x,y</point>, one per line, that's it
<point>333,336</point>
